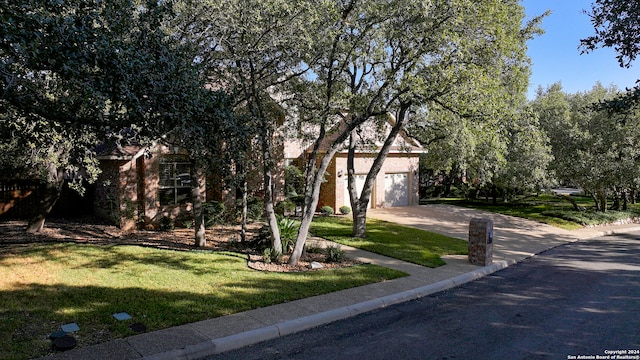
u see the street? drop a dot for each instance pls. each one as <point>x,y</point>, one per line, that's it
<point>580,299</point>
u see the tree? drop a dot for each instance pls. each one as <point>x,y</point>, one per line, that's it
<point>344,90</point>
<point>253,49</point>
<point>206,136</point>
<point>593,148</point>
<point>378,58</point>
<point>528,155</point>
<point>75,74</point>
<point>616,24</point>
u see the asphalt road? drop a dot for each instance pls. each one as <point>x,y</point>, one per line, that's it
<point>578,299</point>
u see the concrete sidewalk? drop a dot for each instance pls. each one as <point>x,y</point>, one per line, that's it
<point>514,240</point>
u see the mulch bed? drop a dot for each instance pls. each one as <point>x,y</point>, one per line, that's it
<point>91,231</point>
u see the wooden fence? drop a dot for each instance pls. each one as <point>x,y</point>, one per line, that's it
<point>19,198</point>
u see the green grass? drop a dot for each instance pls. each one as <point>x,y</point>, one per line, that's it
<point>396,241</point>
<point>550,209</point>
<point>45,286</point>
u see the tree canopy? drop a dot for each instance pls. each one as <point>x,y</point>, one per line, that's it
<point>593,148</point>
<point>73,74</point>
<point>617,25</point>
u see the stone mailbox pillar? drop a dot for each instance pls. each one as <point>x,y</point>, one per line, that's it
<point>481,241</point>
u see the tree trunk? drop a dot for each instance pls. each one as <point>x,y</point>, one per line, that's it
<point>52,191</point>
<point>573,202</point>
<point>625,200</point>
<point>313,181</point>
<point>494,194</point>
<point>243,230</point>
<point>242,193</point>
<point>595,201</point>
<point>361,203</point>
<point>272,221</point>
<point>360,222</point>
<point>616,200</point>
<point>308,210</point>
<point>266,137</point>
<point>602,196</point>
<point>358,215</point>
<point>197,198</point>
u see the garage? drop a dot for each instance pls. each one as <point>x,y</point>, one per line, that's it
<point>396,189</point>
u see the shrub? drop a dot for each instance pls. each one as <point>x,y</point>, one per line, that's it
<point>588,217</point>
<point>166,224</point>
<point>334,253</point>
<point>298,200</point>
<point>327,210</point>
<point>344,210</point>
<point>288,231</point>
<point>285,207</point>
<point>314,249</point>
<point>214,212</point>
<point>255,208</point>
<point>294,180</point>
<point>269,256</point>
<point>288,228</point>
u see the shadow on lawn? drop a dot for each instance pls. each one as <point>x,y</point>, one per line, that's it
<point>30,312</point>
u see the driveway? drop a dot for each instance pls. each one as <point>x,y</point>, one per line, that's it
<point>514,238</point>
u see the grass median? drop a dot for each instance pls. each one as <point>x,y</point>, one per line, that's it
<point>43,286</point>
<point>551,209</point>
<point>397,241</point>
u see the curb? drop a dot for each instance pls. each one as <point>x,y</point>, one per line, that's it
<point>240,340</point>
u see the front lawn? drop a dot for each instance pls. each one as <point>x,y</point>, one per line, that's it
<point>43,286</point>
<point>397,241</point>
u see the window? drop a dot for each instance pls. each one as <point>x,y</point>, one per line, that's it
<point>175,182</point>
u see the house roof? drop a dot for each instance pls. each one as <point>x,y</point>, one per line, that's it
<point>116,152</point>
<point>371,133</point>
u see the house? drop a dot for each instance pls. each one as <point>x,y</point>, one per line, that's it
<point>143,185</point>
<point>397,183</point>
<point>146,186</point>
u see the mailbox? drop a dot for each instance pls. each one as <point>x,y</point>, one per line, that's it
<point>481,241</point>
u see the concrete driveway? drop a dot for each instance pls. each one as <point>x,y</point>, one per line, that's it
<point>514,238</point>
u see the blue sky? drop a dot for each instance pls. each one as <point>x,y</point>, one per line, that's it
<point>556,57</point>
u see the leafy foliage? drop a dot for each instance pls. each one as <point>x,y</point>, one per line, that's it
<point>344,210</point>
<point>616,24</point>
<point>214,213</point>
<point>334,253</point>
<point>77,74</point>
<point>589,217</point>
<point>593,149</point>
<point>326,210</point>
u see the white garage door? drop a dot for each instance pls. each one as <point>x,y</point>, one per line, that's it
<point>396,189</point>
<point>359,185</point>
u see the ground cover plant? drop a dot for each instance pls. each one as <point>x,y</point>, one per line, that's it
<point>46,285</point>
<point>550,209</point>
<point>401,242</point>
